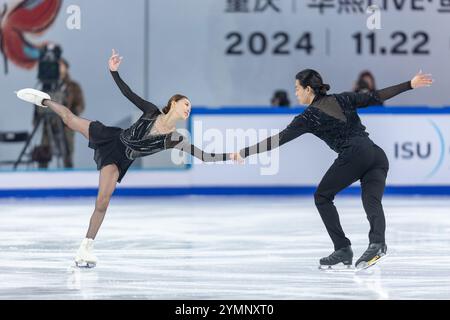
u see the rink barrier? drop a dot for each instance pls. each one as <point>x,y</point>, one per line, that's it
<point>232,110</point>
<point>431,190</point>
<point>219,191</point>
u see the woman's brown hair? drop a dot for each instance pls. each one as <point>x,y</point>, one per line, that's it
<point>175,98</point>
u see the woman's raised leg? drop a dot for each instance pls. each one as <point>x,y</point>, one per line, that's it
<point>72,121</point>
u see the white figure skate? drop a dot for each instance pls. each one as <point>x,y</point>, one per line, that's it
<point>85,257</point>
<point>33,96</point>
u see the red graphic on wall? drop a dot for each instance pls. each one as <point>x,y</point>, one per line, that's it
<point>32,17</point>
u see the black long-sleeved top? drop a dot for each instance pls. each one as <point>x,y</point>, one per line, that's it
<point>138,140</point>
<point>332,118</point>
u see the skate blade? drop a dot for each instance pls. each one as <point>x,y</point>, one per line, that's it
<point>364,265</point>
<point>84,265</point>
<point>340,267</point>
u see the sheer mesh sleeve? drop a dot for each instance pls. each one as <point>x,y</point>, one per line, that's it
<point>145,106</point>
<point>294,130</point>
<point>373,98</point>
<point>178,141</point>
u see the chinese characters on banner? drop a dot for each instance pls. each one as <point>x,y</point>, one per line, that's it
<point>339,6</point>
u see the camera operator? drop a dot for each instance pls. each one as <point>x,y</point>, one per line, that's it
<point>70,94</point>
<point>74,100</point>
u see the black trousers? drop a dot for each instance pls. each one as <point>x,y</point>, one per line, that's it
<point>363,161</point>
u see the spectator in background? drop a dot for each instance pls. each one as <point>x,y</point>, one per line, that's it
<point>71,95</point>
<point>365,83</point>
<point>280,99</point>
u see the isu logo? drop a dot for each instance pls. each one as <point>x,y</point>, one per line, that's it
<point>434,152</point>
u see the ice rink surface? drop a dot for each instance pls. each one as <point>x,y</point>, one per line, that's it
<point>219,248</point>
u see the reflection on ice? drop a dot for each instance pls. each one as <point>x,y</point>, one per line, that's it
<point>219,248</point>
<point>373,281</point>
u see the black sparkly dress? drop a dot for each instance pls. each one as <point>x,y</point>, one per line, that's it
<point>121,147</point>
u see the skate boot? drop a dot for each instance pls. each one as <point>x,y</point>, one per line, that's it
<point>339,259</point>
<point>372,255</point>
<point>33,96</point>
<point>85,258</point>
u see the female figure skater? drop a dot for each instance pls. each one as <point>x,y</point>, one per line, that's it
<point>334,119</point>
<point>116,149</point>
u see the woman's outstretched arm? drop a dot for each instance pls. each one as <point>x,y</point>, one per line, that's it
<point>179,142</point>
<point>145,106</point>
<point>361,100</point>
